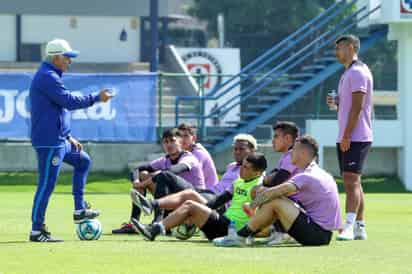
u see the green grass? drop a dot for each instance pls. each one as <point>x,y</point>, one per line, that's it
<point>389,222</point>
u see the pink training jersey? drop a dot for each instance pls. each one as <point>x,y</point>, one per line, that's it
<point>226,182</point>
<point>357,78</point>
<point>285,162</point>
<point>318,194</point>
<point>207,165</point>
<point>193,176</point>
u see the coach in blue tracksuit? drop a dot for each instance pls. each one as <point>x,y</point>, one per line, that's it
<point>50,135</point>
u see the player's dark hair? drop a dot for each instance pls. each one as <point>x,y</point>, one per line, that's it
<point>288,128</point>
<point>350,38</point>
<point>309,143</point>
<point>258,161</point>
<point>171,133</point>
<point>188,128</point>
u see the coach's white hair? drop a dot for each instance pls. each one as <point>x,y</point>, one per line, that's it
<point>246,138</point>
<point>49,58</point>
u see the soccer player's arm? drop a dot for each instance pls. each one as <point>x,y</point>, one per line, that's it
<point>279,177</point>
<point>220,200</point>
<point>284,189</point>
<point>57,92</point>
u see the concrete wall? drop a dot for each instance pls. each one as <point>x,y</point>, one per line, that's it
<point>117,157</point>
<point>7,37</point>
<point>106,157</point>
<point>381,161</point>
<point>96,37</point>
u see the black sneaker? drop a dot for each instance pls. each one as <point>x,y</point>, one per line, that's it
<point>150,232</point>
<point>44,236</point>
<point>126,228</point>
<point>141,201</point>
<point>84,215</point>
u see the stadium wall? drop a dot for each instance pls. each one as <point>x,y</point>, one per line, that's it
<point>110,157</point>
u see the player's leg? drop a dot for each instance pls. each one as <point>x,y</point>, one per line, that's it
<point>191,212</point>
<point>352,165</point>
<point>49,163</point>
<point>282,209</point>
<point>167,183</point>
<point>81,162</point>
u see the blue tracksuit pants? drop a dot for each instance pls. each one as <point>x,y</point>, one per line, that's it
<point>49,164</point>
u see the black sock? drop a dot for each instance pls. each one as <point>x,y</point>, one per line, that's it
<point>156,229</point>
<point>155,204</point>
<point>246,232</point>
<point>158,214</point>
<point>136,212</point>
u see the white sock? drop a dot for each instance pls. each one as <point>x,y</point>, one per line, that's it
<point>360,222</point>
<point>350,218</point>
<point>78,211</point>
<point>35,232</point>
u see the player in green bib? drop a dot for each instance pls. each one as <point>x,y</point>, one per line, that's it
<point>241,194</point>
<point>209,221</point>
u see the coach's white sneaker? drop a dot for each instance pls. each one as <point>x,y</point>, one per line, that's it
<point>346,234</point>
<point>359,232</point>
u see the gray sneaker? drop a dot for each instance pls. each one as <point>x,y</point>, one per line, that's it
<point>141,201</point>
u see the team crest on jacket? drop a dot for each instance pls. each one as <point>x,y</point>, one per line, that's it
<point>55,160</point>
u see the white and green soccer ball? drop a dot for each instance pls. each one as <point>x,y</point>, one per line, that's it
<point>184,231</point>
<point>89,230</point>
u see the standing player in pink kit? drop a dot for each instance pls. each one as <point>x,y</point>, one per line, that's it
<point>189,143</point>
<point>355,137</point>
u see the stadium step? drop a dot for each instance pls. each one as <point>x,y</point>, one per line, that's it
<point>313,68</point>
<point>291,83</point>
<point>301,75</point>
<point>325,60</point>
<point>261,106</point>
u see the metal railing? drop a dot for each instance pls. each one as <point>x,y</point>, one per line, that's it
<point>295,58</point>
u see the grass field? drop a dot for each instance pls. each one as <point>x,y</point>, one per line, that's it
<point>388,250</point>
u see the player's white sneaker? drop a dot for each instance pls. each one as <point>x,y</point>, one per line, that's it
<point>230,241</point>
<point>359,232</point>
<point>277,238</point>
<point>346,234</point>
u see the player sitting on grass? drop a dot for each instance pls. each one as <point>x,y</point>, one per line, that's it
<point>285,134</point>
<point>189,143</point>
<point>174,172</point>
<point>243,145</point>
<point>209,221</point>
<point>316,190</point>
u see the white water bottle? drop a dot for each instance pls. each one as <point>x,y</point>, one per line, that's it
<point>334,100</point>
<point>231,230</point>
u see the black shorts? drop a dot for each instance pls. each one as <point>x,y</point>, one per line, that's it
<point>353,159</point>
<point>306,232</point>
<point>216,226</point>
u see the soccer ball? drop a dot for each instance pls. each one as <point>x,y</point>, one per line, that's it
<point>184,231</point>
<point>89,230</point>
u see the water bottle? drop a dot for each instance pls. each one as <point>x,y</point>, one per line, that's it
<point>334,97</point>
<point>231,231</point>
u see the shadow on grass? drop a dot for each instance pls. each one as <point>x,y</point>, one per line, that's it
<point>378,185</point>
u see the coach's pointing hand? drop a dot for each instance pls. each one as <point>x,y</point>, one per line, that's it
<point>105,95</point>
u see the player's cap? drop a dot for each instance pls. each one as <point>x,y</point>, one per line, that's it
<point>60,47</point>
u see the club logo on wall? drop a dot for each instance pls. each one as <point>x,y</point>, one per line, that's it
<point>406,6</point>
<point>203,63</point>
